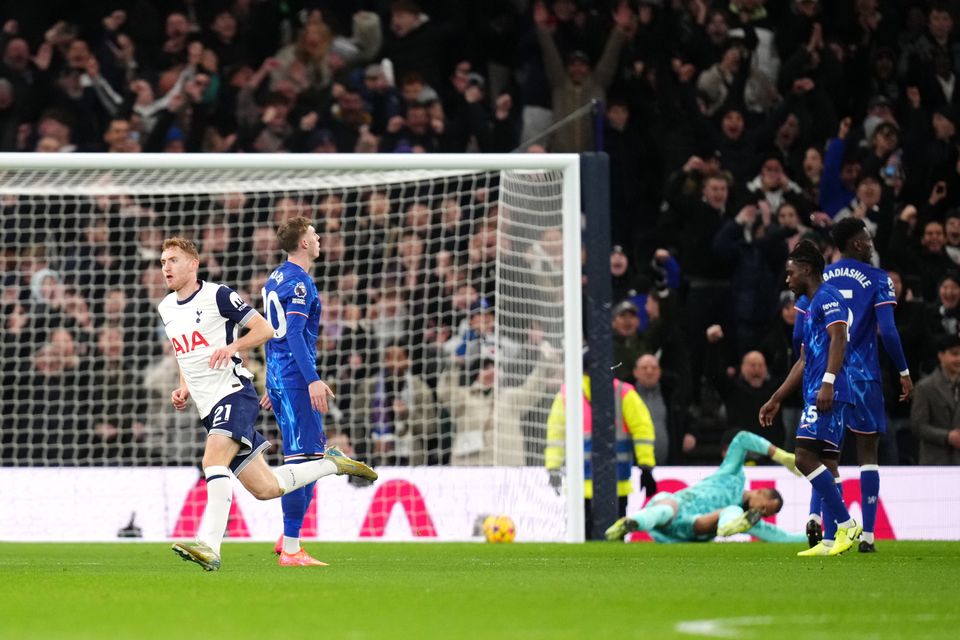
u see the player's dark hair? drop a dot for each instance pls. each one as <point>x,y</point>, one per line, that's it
<point>773,493</point>
<point>845,230</point>
<point>291,232</point>
<point>806,252</point>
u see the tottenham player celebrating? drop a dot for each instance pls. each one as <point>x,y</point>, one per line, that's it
<point>826,390</point>
<point>294,390</point>
<point>870,297</point>
<point>201,320</point>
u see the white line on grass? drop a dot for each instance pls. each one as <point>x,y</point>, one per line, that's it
<point>735,627</point>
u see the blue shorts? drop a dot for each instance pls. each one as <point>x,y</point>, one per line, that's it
<point>826,427</point>
<point>235,417</point>
<point>300,426</point>
<point>869,414</point>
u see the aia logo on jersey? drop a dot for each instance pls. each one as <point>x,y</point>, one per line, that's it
<point>185,345</point>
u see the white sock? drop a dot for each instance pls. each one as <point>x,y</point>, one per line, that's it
<point>867,537</point>
<point>294,476</point>
<point>827,543</point>
<point>816,518</point>
<point>291,545</point>
<point>846,524</point>
<point>219,496</point>
<point>813,474</point>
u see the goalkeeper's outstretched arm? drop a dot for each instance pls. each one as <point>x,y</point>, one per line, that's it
<point>746,442</point>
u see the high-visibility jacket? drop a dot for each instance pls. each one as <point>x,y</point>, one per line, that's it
<point>636,429</point>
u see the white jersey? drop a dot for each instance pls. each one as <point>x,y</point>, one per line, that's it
<point>197,327</point>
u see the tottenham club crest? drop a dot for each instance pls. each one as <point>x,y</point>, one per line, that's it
<point>300,290</point>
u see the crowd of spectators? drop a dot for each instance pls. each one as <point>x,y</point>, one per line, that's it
<point>735,128</point>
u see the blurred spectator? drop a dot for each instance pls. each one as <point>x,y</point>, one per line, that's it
<point>660,394</point>
<point>477,427</point>
<point>745,391</point>
<point>573,83</point>
<point>779,351</point>
<point>935,403</point>
<point>394,413</point>
<point>758,250</point>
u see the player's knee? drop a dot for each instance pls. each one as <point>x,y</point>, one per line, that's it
<point>807,459</point>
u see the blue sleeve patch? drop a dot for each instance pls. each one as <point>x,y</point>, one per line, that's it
<point>300,295</point>
<point>886,292</point>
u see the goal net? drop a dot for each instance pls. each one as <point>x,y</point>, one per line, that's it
<point>451,317</point>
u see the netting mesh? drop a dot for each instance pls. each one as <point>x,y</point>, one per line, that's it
<point>458,273</point>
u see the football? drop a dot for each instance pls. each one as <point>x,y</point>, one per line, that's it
<point>499,529</point>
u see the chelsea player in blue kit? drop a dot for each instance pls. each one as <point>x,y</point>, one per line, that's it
<point>870,299</point>
<point>826,390</point>
<point>294,390</point>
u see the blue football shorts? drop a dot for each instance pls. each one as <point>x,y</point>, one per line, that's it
<point>300,425</point>
<point>868,414</point>
<point>826,427</point>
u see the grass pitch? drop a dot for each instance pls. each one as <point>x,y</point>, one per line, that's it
<point>385,591</point>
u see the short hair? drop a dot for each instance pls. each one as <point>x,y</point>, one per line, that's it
<point>185,245</point>
<point>947,342</point>
<point>806,252</point>
<point>291,232</point>
<point>949,275</point>
<point>845,231</point>
<point>774,494</point>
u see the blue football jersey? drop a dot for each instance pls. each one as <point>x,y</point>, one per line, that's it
<point>864,288</point>
<point>826,308</point>
<point>292,307</point>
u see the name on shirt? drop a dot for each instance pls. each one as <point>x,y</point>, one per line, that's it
<point>848,272</point>
<point>186,345</point>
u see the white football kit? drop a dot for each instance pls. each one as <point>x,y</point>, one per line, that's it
<point>197,327</point>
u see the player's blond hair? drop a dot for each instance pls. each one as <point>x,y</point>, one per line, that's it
<point>185,245</point>
<point>291,232</point>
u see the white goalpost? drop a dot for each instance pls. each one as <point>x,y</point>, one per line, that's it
<point>451,293</point>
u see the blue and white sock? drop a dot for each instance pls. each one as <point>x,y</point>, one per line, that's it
<point>829,524</point>
<point>295,505</point>
<point>869,498</point>
<point>816,507</point>
<point>833,507</point>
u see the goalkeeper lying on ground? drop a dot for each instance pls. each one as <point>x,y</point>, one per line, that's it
<point>717,505</point>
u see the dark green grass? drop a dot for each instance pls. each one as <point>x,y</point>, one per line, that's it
<point>384,591</point>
